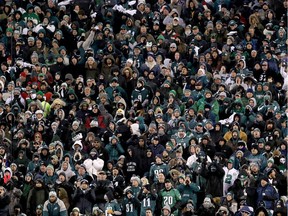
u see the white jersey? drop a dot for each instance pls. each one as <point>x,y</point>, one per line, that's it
<point>229,178</point>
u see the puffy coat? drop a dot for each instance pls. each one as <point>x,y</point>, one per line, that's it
<point>93,165</point>
<point>268,195</point>
<point>54,209</point>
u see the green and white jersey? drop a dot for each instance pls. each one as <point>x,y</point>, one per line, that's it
<point>170,198</point>
<point>229,178</point>
<point>148,201</point>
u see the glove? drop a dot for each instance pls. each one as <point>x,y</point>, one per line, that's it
<point>110,211</point>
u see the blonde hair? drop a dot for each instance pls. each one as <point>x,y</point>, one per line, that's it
<point>58,101</point>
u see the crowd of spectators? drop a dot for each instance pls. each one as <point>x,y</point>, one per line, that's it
<point>156,107</point>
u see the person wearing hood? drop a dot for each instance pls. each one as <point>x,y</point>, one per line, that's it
<point>209,100</point>
<point>91,69</point>
<point>141,93</point>
<point>35,162</point>
<point>75,134</point>
<point>276,179</point>
<point>54,206</point>
<point>261,210</point>
<point>30,15</point>
<point>121,104</point>
<point>131,163</point>
<point>64,195</point>
<point>28,184</point>
<point>110,131</point>
<point>114,148</point>
<point>37,195</point>
<point>107,64</point>
<point>172,15</point>
<point>115,72</point>
<point>18,20</point>
<point>268,133</point>
<point>22,159</point>
<point>140,149</point>
<point>6,176</point>
<point>252,103</point>
<point>93,163</point>
<point>95,117</point>
<point>207,207</point>
<point>66,169</point>
<point>269,106</point>
<point>118,181</point>
<point>77,151</point>
<point>120,117</point>
<point>280,208</point>
<point>44,154</point>
<point>135,133</point>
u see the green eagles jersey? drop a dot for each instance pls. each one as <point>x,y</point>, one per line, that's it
<point>156,169</point>
<point>131,207</point>
<point>170,198</point>
<point>141,95</point>
<point>189,192</point>
<point>113,205</point>
<point>148,201</point>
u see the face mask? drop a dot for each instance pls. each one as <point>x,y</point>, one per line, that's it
<point>282,160</point>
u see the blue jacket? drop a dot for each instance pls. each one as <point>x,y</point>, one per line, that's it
<point>54,209</point>
<point>268,195</point>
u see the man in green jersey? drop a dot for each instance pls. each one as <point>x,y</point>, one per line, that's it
<point>171,197</point>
